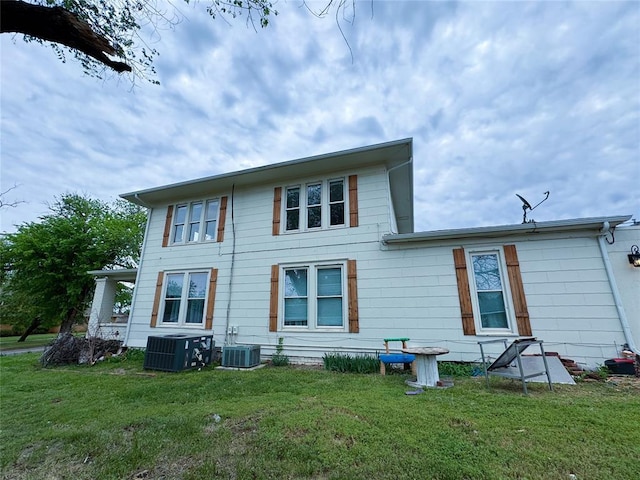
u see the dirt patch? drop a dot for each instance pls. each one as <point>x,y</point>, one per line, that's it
<point>624,382</point>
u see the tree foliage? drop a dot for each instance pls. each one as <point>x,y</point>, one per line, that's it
<point>44,280</point>
<point>107,33</point>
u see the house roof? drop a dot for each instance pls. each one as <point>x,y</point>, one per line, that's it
<point>555,226</point>
<point>396,156</point>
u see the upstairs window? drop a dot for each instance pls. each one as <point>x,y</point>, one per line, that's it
<point>195,222</point>
<point>336,202</point>
<point>315,205</point>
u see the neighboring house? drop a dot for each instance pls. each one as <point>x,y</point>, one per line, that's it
<point>321,251</point>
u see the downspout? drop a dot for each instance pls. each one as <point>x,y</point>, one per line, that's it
<point>135,287</point>
<point>624,323</point>
<point>233,259</point>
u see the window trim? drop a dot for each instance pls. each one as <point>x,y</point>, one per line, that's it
<point>184,298</point>
<point>325,205</point>
<point>512,325</point>
<point>217,235</point>
<point>312,269</point>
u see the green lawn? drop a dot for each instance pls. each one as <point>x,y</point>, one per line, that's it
<point>11,343</point>
<point>117,421</point>
<point>40,340</point>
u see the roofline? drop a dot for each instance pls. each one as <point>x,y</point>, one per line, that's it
<point>121,274</point>
<point>555,226</point>
<point>253,175</point>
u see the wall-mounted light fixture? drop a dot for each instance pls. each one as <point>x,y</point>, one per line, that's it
<point>634,256</point>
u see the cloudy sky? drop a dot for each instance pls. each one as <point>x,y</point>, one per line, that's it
<point>499,97</point>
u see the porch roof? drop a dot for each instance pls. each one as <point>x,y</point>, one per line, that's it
<point>120,275</point>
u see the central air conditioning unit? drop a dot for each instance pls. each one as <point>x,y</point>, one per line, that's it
<point>174,353</point>
<point>245,356</point>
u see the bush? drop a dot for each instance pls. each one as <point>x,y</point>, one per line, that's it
<point>279,359</point>
<point>345,363</point>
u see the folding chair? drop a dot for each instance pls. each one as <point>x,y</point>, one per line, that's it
<point>511,363</point>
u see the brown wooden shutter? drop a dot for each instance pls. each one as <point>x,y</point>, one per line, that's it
<point>277,201</point>
<point>273,301</point>
<point>156,299</point>
<point>167,226</point>
<point>517,290</point>
<point>352,288</point>
<point>222,219</point>
<point>353,200</point>
<point>466,308</point>
<point>211,300</point>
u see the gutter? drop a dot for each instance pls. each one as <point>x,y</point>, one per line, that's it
<point>622,316</point>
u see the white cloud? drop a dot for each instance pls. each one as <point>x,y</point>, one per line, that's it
<point>501,98</point>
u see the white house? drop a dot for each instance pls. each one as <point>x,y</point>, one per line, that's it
<point>322,252</point>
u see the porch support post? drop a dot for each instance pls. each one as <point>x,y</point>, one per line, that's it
<point>102,304</point>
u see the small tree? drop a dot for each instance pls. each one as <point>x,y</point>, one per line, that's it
<point>44,280</point>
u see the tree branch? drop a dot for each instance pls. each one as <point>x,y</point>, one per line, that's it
<point>57,25</point>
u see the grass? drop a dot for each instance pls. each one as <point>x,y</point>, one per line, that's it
<point>10,343</point>
<point>117,421</point>
<point>40,340</point>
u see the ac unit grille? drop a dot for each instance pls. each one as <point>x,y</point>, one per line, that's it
<point>241,356</point>
<point>173,353</point>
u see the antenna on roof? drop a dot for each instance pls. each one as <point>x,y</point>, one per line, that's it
<point>527,206</point>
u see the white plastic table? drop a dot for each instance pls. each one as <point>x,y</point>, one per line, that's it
<point>426,365</point>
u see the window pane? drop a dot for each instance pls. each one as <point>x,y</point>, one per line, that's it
<point>293,219</point>
<point>210,233</point>
<point>181,214</point>
<point>197,285</point>
<point>194,232</point>
<point>336,191</point>
<point>211,220</point>
<point>330,312</point>
<point>295,311</point>
<point>314,194</point>
<point>178,234</point>
<point>171,311</point>
<point>293,197</point>
<point>337,214</point>
<point>314,217</point>
<point>178,222</point>
<point>196,212</point>
<point>492,311</point>
<point>174,285</point>
<point>195,310</point>
<point>329,282</point>
<point>212,210</point>
<point>486,272</point>
<point>295,283</point>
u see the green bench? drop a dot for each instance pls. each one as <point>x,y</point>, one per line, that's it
<point>406,358</point>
